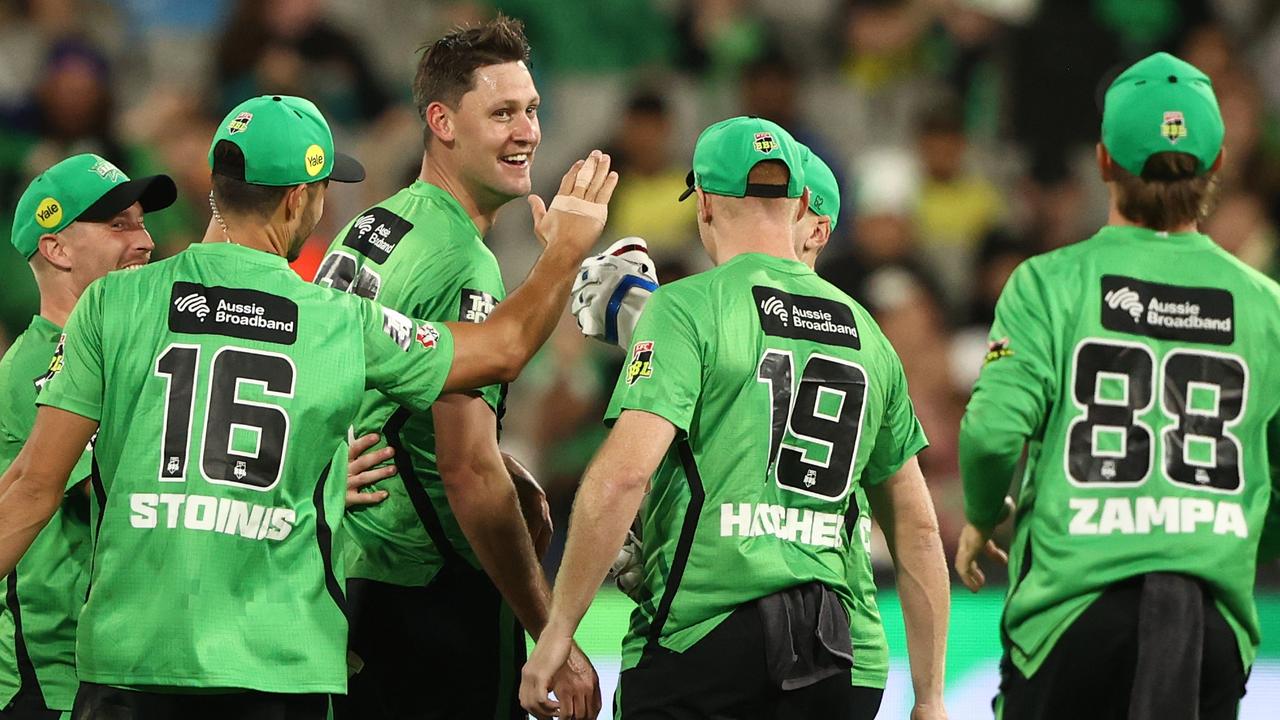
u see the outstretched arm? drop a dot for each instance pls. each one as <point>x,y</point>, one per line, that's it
<point>904,510</point>
<point>34,484</point>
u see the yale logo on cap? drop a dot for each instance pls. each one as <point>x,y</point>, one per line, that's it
<point>240,123</point>
<point>315,160</point>
<point>49,213</point>
<point>765,143</point>
<point>1173,128</point>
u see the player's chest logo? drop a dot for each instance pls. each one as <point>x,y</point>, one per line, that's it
<point>475,306</point>
<point>376,233</point>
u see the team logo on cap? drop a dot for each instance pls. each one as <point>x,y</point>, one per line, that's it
<point>107,171</point>
<point>1174,127</point>
<point>765,143</point>
<point>48,213</point>
<point>314,160</point>
<point>240,123</point>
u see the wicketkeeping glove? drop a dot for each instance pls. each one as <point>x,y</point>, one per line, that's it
<point>628,568</point>
<point>611,290</point>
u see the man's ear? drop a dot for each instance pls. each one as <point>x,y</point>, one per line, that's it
<point>704,205</point>
<point>819,237</point>
<point>1106,164</point>
<point>293,201</point>
<point>804,206</point>
<point>51,248</point>
<point>439,118</point>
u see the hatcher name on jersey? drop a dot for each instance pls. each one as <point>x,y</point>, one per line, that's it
<point>797,525</point>
<point>210,514</point>
<point>1147,515</point>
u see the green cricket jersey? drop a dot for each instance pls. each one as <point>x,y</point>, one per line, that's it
<point>1138,369</point>
<point>870,645</point>
<point>785,395</point>
<point>224,386</point>
<point>44,593</point>
<point>420,253</point>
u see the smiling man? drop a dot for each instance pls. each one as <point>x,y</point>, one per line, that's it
<point>79,220</point>
<point>427,622</point>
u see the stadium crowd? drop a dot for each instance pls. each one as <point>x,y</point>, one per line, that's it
<point>962,133</point>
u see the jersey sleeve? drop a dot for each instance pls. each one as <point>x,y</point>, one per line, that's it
<point>77,386</point>
<point>900,437</point>
<point>1011,398</point>
<point>408,360</point>
<point>1269,547</point>
<point>663,372</point>
<point>465,287</point>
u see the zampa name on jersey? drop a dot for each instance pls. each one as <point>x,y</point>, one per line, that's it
<point>803,317</point>
<point>1170,312</point>
<point>210,514</point>
<point>233,312</point>
<point>1148,515</point>
<point>798,525</point>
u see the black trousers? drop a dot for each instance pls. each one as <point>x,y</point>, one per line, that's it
<point>452,639</point>
<point>1089,673</point>
<point>102,702</point>
<point>28,704</point>
<point>725,676</point>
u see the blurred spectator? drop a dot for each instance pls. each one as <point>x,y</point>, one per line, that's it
<point>289,47</point>
<point>1241,226</point>
<point>593,37</point>
<point>957,205</point>
<point>646,204</point>
<point>720,37</point>
<point>997,257</point>
<point>885,40</point>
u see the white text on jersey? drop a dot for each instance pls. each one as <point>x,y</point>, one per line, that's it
<point>1144,515</point>
<point>805,526</point>
<point>211,514</point>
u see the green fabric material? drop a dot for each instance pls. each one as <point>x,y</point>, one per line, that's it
<point>752,399</point>
<point>285,140</point>
<point>1161,104</point>
<point>430,262</point>
<point>824,192</point>
<point>225,553</point>
<point>1143,402</point>
<point>53,573</point>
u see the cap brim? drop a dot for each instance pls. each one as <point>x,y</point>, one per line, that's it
<point>155,192</point>
<point>346,169</point>
<point>689,180</point>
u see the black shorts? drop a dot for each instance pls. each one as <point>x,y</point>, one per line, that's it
<point>426,649</point>
<point>725,676</point>
<point>28,704</point>
<point>1090,671</point>
<point>103,702</point>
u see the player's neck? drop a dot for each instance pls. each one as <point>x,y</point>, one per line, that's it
<point>250,234</point>
<point>57,300</point>
<point>738,238</point>
<point>434,173</point>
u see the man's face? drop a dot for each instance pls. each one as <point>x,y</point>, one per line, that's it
<point>94,249</point>
<point>496,132</point>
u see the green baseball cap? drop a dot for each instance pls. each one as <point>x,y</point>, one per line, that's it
<point>84,188</point>
<point>1161,104</point>
<point>282,140</point>
<point>824,193</point>
<point>726,151</point>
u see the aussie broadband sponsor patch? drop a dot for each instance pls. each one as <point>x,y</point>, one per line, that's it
<point>803,317</point>
<point>376,233</point>
<point>234,312</point>
<point>1168,312</point>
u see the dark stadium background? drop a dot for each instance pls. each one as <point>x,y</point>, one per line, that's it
<point>962,132</point>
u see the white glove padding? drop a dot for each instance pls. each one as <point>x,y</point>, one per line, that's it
<point>611,290</point>
<point>628,568</point>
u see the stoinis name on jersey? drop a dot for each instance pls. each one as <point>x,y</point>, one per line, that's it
<point>149,511</point>
<point>802,317</point>
<point>376,233</point>
<point>1167,312</point>
<point>234,312</point>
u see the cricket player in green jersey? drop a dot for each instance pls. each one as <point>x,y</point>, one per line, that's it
<point>429,567</point>
<point>223,397</point>
<point>76,221</point>
<point>604,276</point>
<point>1135,368</point>
<point>760,395</point>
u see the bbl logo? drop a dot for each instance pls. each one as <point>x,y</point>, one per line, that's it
<point>49,213</point>
<point>427,336</point>
<point>641,362</point>
<point>765,143</point>
<point>314,160</point>
<point>240,123</point>
<point>107,171</point>
<point>1174,127</point>
<point>997,349</point>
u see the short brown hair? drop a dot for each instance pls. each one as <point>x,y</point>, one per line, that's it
<point>447,66</point>
<point>1167,194</point>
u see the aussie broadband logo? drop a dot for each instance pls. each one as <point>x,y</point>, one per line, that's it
<point>804,317</point>
<point>233,312</point>
<point>797,525</point>
<point>1170,312</point>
